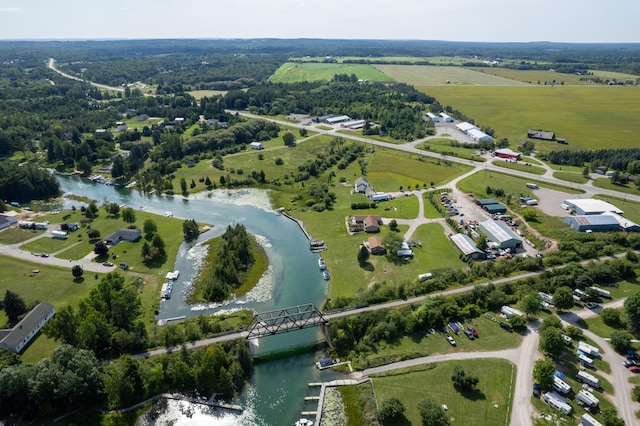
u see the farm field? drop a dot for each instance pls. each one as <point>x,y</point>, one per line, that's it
<point>199,94</point>
<point>426,75</point>
<point>535,76</point>
<point>291,72</point>
<point>574,113</point>
<point>488,405</point>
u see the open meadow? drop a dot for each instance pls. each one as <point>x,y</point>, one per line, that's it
<point>542,76</point>
<point>487,405</point>
<point>292,72</point>
<point>427,75</point>
<point>588,117</point>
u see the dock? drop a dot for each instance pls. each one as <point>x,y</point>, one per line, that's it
<point>320,398</point>
<point>314,245</point>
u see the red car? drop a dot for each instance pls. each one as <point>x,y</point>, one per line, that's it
<point>634,369</point>
<point>473,332</point>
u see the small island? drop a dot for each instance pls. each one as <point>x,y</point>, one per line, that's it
<point>234,265</point>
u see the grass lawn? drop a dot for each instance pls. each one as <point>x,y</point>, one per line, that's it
<point>398,208</point>
<point>430,211</point>
<point>571,177</point>
<point>520,166</point>
<point>437,251</point>
<point>292,72</point>
<point>572,112</point>
<point>51,245</point>
<point>631,208</point>
<point>443,147</point>
<point>606,183</point>
<point>478,183</point>
<point>16,235</point>
<point>487,405</point>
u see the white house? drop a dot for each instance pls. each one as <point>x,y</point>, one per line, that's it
<point>16,338</point>
<point>256,145</point>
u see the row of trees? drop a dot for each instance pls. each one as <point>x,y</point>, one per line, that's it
<point>617,159</point>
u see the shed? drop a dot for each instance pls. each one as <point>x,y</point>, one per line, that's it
<point>256,145</point>
<point>130,235</point>
<point>539,134</point>
<point>467,246</point>
<point>16,338</point>
<point>499,233</point>
<point>337,120</point>
<point>433,117</point>
<point>464,127</point>
<point>446,117</point>
<point>495,208</point>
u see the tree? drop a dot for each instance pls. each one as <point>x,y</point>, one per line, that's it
<point>621,341</point>
<point>563,298</point>
<point>551,342</point>
<point>610,417</point>
<point>363,255</point>
<point>393,242</point>
<point>462,380</point>
<point>390,410</point>
<point>100,248</point>
<point>530,304</point>
<point>289,139</point>
<point>128,215</point>
<point>632,311</point>
<point>84,166</point>
<point>431,413</point>
<point>611,317</point>
<point>149,227</point>
<point>93,233</point>
<point>112,208</point>
<point>77,271</point>
<point>550,322</point>
<point>393,225</point>
<point>183,185</point>
<point>543,371</point>
<point>190,229</point>
<point>517,322</point>
<point>118,168</point>
<point>14,306</point>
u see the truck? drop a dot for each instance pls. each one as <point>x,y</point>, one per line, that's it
<point>588,350</point>
<point>587,398</point>
<point>532,186</point>
<point>601,292</point>
<point>588,420</point>
<point>556,401</point>
<point>561,386</point>
<point>588,379</point>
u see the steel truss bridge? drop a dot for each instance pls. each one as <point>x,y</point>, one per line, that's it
<point>289,319</point>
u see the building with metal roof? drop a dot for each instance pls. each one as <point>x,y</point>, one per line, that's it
<point>506,153</point>
<point>498,232</point>
<point>479,135</point>
<point>625,224</point>
<point>495,208</point>
<point>589,206</point>
<point>539,134</point>
<point>16,338</point>
<point>594,223</point>
<point>467,246</point>
<point>464,127</point>
<point>339,119</point>
<point>486,201</point>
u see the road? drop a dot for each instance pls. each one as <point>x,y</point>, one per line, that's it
<point>52,66</point>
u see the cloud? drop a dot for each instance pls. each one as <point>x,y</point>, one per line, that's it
<point>10,9</point>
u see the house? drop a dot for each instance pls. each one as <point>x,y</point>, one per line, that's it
<point>142,117</point>
<point>256,145</point>
<point>361,185</point>
<point>16,338</point>
<point>7,220</point>
<point>70,227</point>
<point>369,224</point>
<point>538,134</point>
<point>375,246</point>
<point>130,235</point>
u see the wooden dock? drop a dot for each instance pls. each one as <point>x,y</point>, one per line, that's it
<point>323,386</point>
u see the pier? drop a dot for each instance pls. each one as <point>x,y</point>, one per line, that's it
<point>320,398</point>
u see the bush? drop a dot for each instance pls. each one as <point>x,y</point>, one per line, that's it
<point>391,410</point>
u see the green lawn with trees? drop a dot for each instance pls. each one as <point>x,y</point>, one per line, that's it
<point>293,72</point>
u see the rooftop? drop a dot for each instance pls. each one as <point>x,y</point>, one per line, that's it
<point>499,231</point>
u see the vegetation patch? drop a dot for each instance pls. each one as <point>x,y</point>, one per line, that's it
<point>571,177</point>
<point>450,76</point>
<point>293,72</point>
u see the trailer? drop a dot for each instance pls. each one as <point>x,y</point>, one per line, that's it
<point>532,202</point>
<point>425,276</point>
<point>532,186</point>
<point>587,398</point>
<point>508,311</point>
<point>556,401</point>
<point>589,350</point>
<point>546,297</point>
<point>601,292</point>
<point>561,386</point>
<point>59,235</point>
<point>585,361</point>
<point>588,420</point>
<point>589,379</point>
<point>579,293</point>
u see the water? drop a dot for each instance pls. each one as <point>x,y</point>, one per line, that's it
<point>275,394</point>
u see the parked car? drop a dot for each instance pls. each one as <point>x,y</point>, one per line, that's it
<point>536,389</point>
<point>630,363</point>
<point>592,305</point>
<point>469,333</point>
<point>473,331</point>
<point>107,264</point>
<point>634,369</point>
<point>451,341</point>
<point>44,255</point>
<point>506,327</point>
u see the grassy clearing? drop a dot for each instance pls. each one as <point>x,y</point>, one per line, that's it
<point>535,76</point>
<point>571,177</point>
<point>292,72</point>
<point>488,405</point>
<point>510,184</point>
<point>15,235</point>
<point>573,112</point>
<point>199,94</point>
<point>520,166</point>
<point>631,208</point>
<point>426,75</point>
<point>627,188</point>
<point>442,146</point>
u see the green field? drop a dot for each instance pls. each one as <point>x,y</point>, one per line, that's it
<point>15,235</point>
<point>443,146</point>
<point>606,183</point>
<point>521,167</point>
<point>534,76</point>
<point>292,72</point>
<point>199,94</point>
<point>631,209</point>
<point>571,177</point>
<point>426,75</point>
<point>572,112</point>
<point>488,405</point>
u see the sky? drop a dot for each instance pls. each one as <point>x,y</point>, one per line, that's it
<point>455,20</point>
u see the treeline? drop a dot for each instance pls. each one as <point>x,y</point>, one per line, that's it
<point>356,336</point>
<point>616,159</point>
<point>27,182</point>
<point>232,262</point>
<point>73,379</point>
<point>397,109</point>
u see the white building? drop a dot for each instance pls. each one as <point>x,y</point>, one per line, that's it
<point>16,338</point>
<point>589,206</point>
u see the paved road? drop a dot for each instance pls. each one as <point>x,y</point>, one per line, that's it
<point>52,65</point>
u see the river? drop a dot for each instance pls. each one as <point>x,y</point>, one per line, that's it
<point>275,393</point>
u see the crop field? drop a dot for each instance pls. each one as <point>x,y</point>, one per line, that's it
<point>487,405</point>
<point>291,72</point>
<point>199,94</point>
<point>588,117</point>
<point>425,75</point>
<point>535,76</point>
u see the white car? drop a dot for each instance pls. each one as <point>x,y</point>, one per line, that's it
<point>450,340</point>
<point>592,305</point>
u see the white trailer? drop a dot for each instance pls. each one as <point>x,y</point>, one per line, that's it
<point>532,186</point>
<point>588,420</point>
<point>589,379</point>
<point>59,235</point>
<point>589,350</point>
<point>532,202</point>
<point>556,401</point>
<point>561,386</point>
<point>587,398</point>
<point>508,311</point>
<point>546,297</point>
<point>601,292</point>
<point>585,361</point>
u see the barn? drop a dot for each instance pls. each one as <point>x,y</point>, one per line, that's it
<point>499,233</point>
<point>507,154</point>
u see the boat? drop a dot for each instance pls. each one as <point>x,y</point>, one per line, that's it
<point>321,264</point>
<point>324,363</point>
<point>325,275</point>
<point>303,422</point>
